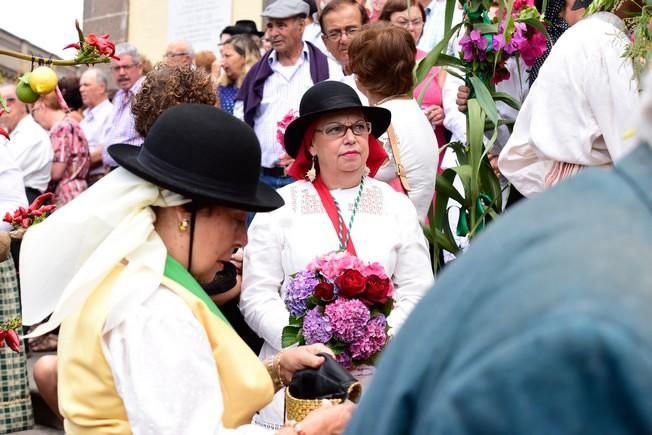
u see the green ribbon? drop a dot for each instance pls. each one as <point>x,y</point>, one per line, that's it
<point>177,273</point>
<point>462,229</point>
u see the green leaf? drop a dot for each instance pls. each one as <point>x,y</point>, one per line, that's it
<point>484,98</point>
<point>475,136</point>
<point>295,321</point>
<point>507,99</point>
<point>486,28</point>
<point>446,242</point>
<point>448,14</point>
<point>291,335</point>
<point>449,60</point>
<point>432,59</point>
<point>490,184</point>
<point>464,172</point>
<point>446,187</point>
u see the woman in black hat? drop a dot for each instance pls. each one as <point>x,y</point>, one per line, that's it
<point>142,347</point>
<point>334,146</point>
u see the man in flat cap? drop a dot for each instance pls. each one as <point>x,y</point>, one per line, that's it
<point>274,86</point>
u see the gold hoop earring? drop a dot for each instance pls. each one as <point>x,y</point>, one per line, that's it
<point>183,225</point>
<point>312,172</point>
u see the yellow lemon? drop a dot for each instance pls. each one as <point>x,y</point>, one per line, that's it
<point>43,80</point>
<point>24,91</point>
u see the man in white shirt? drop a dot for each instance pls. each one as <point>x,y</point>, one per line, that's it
<point>29,144</point>
<point>97,117</point>
<point>274,86</point>
<point>579,110</point>
<point>433,29</point>
<point>12,189</point>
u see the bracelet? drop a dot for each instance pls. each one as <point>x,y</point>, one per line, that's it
<point>295,426</point>
<point>276,364</point>
<point>273,373</point>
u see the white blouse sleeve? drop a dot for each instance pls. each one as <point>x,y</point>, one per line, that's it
<point>262,277</point>
<point>454,120</point>
<point>413,272</point>
<point>577,111</point>
<point>164,371</point>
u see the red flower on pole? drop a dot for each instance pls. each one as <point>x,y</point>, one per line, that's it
<point>92,47</point>
<point>23,218</point>
<point>102,44</point>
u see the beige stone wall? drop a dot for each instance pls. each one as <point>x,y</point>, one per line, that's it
<point>247,10</point>
<point>148,21</point>
<point>148,27</point>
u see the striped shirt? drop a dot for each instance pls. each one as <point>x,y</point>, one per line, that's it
<point>122,128</point>
<point>282,93</point>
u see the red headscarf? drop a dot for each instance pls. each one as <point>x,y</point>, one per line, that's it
<point>303,161</point>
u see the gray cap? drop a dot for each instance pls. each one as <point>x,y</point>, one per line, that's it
<point>286,9</point>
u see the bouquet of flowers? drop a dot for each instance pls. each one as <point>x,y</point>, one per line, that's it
<point>342,302</point>
<point>489,42</point>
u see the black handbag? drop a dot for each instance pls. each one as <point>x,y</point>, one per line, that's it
<point>309,387</point>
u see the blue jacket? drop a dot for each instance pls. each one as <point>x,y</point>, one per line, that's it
<point>543,327</point>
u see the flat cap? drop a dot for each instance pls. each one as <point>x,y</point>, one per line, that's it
<point>286,9</point>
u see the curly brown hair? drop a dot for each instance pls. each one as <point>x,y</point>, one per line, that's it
<point>166,86</point>
<point>382,57</point>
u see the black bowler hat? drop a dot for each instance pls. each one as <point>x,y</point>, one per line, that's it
<point>331,96</point>
<point>250,26</point>
<point>203,153</point>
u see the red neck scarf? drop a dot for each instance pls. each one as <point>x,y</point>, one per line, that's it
<point>331,209</point>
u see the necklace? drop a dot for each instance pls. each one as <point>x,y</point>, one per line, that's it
<point>344,242</point>
<point>391,97</point>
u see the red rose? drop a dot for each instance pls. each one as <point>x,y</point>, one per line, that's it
<point>377,290</point>
<point>324,291</point>
<point>351,283</point>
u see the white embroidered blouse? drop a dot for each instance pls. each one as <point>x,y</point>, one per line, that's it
<point>283,242</point>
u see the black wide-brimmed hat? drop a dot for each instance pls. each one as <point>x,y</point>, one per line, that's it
<point>202,153</point>
<point>331,96</point>
<point>250,26</point>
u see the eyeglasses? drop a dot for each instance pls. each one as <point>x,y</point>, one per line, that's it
<point>336,129</point>
<point>117,68</point>
<point>406,24</point>
<point>336,35</point>
<point>173,55</point>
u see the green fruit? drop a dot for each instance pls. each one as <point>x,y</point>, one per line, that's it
<point>25,93</point>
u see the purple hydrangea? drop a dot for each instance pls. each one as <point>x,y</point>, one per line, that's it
<point>348,318</point>
<point>298,291</point>
<point>316,328</point>
<point>372,341</point>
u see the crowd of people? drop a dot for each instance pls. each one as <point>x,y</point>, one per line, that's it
<point>189,199</point>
